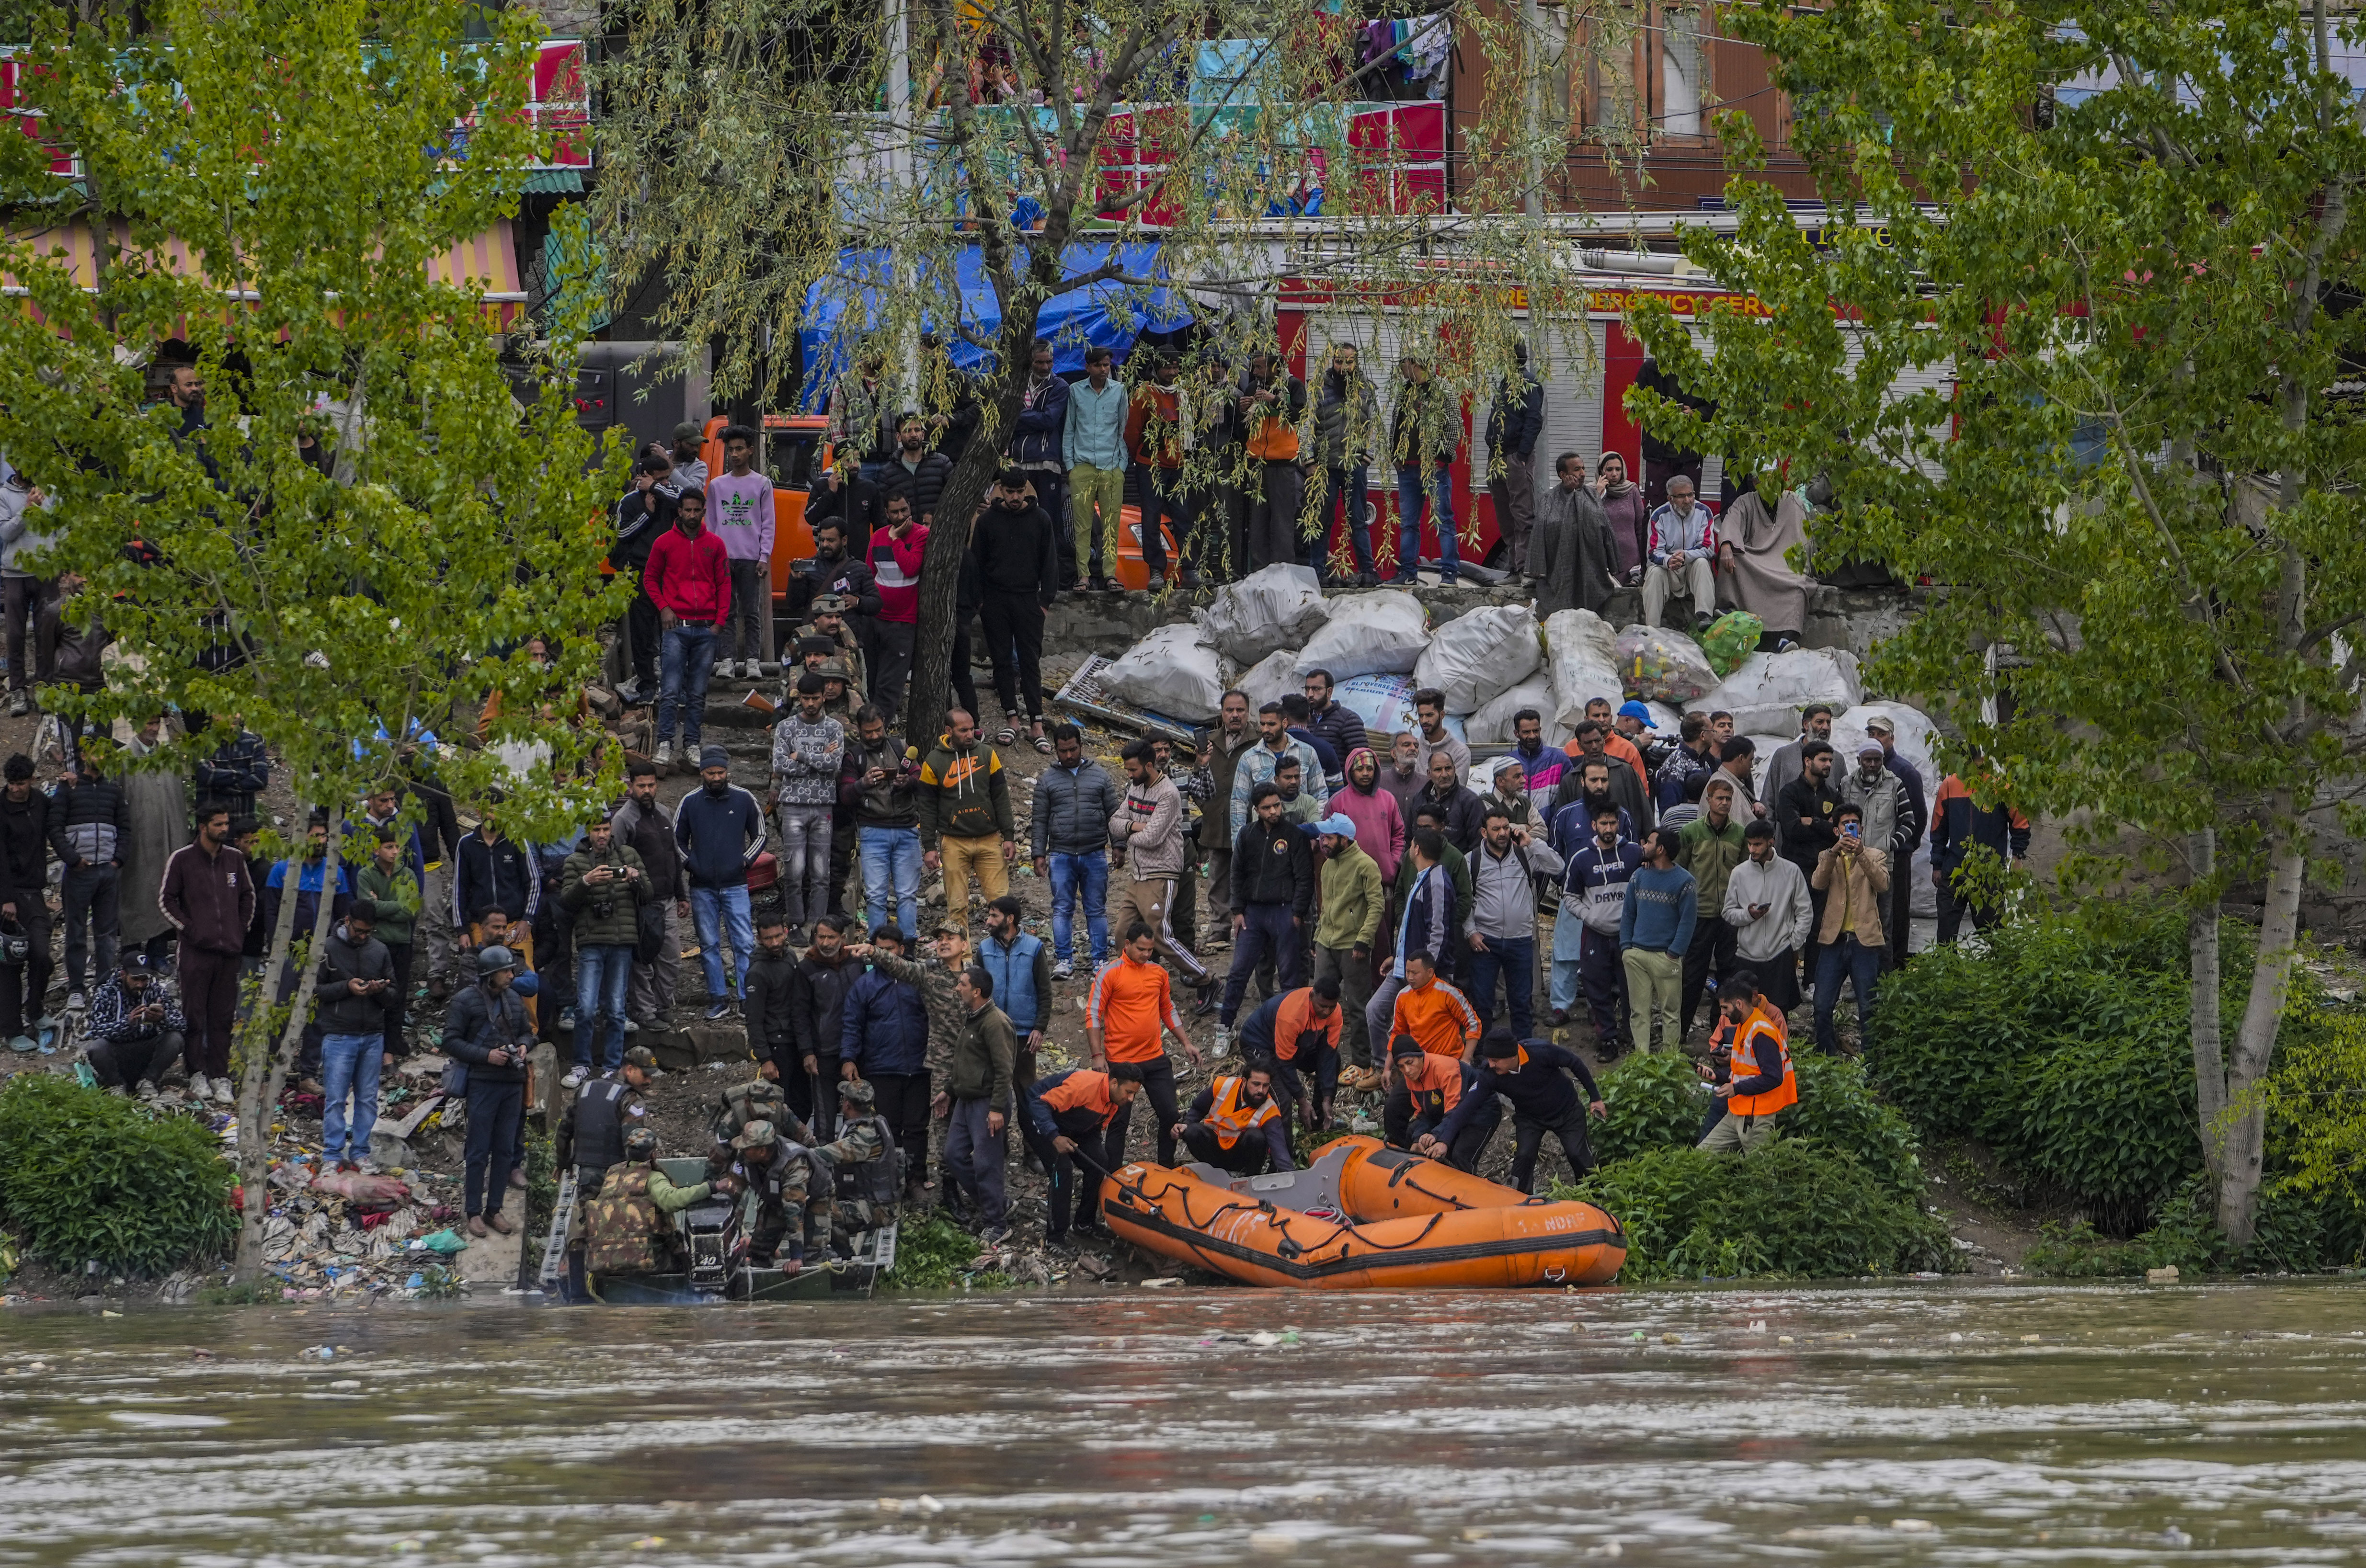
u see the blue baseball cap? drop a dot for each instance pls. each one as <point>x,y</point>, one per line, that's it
<point>1338,822</point>
<point>1635,710</point>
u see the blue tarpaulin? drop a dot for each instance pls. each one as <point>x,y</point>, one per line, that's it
<point>1105,315</point>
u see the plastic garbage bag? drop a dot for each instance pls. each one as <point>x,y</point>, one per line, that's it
<point>1476,657</point>
<point>444,1241</point>
<point>1766,691</point>
<point>1661,665</point>
<point>1369,634</point>
<point>1275,678</point>
<point>1170,672</point>
<point>1731,639</point>
<point>1582,659</point>
<point>1275,607</point>
<point>1665,720</point>
<point>1491,725</point>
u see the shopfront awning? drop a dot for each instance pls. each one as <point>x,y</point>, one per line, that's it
<point>488,259</point>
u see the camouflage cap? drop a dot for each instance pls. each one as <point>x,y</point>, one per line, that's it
<point>640,1143</point>
<point>762,1089</point>
<point>857,1090</point>
<point>642,1058</point>
<point>829,604</point>
<point>834,669</point>
<point>756,1135</point>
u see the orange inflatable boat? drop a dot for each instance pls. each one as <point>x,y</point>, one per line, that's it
<point>1362,1216</point>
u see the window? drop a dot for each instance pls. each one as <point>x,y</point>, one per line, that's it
<point>1683,73</point>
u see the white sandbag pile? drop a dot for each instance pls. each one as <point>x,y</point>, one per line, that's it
<point>1171,672</point>
<point>1275,678</point>
<point>1582,659</point>
<point>1766,691</point>
<point>1491,725</point>
<point>1273,607</point>
<point>1384,702</point>
<point>1479,657</point>
<point>1661,665</point>
<point>1369,634</point>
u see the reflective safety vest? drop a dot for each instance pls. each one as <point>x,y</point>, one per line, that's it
<point>1750,1061</point>
<point>1230,1115</point>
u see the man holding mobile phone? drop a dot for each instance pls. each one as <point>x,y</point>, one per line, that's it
<point>486,1029</point>
<point>357,970</point>
<point>1852,875</point>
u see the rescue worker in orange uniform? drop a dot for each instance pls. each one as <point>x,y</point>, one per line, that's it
<point>1429,1086</point>
<point>1300,1030</point>
<point>1237,1126</point>
<point>1067,1123</point>
<point>1758,1081</point>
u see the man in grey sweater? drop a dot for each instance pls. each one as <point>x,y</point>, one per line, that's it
<point>1147,829</point>
<point>806,747</point>
<point>1766,904</point>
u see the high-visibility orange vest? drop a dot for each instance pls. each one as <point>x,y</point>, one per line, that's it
<point>1230,1115</point>
<point>1759,1036</point>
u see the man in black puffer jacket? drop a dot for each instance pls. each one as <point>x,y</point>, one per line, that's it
<point>916,473</point>
<point>90,820</point>
<point>486,1029</point>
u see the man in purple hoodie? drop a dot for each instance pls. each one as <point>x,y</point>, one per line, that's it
<point>740,513</point>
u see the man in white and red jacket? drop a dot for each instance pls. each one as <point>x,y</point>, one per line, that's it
<point>689,579</point>
<point>895,554</point>
<point>1683,548</point>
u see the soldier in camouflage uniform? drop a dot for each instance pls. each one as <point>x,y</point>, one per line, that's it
<point>861,1138</point>
<point>796,1185</point>
<point>760,1100</point>
<point>830,621</point>
<point>629,1228</point>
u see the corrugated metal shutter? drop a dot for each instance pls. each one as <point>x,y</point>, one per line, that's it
<point>1939,377</point>
<point>1573,401</point>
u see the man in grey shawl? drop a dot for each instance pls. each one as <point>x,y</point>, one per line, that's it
<point>1569,559</point>
<point>159,802</point>
<point>1753,548</point>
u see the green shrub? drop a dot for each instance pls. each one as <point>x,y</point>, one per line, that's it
<point>1837,1108</point>
<point>1653,1101</point>
<point>2107,1123</point>
<point>934,1254</point>
<point>1796,1208</point>
<point>93,1178</point>
<point>2297,1230</point>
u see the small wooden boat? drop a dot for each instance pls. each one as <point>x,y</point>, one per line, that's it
<point>1362,1216</point>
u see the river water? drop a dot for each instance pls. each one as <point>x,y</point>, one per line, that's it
<point>1939,1424</point>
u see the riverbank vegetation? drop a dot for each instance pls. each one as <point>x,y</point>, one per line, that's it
<point>89,1178</point>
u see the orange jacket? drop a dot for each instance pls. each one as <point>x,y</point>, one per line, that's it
<point>1297,1018</point>
<point>1436,1016</point>
<point>1128,1004</point>
<point>1435,1082</point>
<point>1230,1115</point>
<point>1082,1090</point>
<point>1153,432</point>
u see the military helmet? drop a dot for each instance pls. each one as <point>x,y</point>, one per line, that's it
<point>493,961</point>
<point>640,1143</point>
<point>858,1090</point>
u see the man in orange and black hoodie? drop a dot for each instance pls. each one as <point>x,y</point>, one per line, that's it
<point>1066,1121</point>
<point>1958,821</point>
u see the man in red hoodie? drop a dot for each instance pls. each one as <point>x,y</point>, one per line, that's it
<point>895,552</point>
<point>689,579</point>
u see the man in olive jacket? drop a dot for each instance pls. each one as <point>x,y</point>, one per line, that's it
<point>604,886</point>
<point>976,1099</point>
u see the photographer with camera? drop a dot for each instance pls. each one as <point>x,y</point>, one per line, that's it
<point>1852,875</point>
<point>602,885</point>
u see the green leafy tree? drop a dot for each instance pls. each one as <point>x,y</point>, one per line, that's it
<point>2129,232</point>
<point>786,151</point>
<point>276,182</point>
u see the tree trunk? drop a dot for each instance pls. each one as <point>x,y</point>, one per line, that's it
<point>2209,1050</point>
<point>2255,1043</point>
<point>265,1064</point>
<point>941,563</point>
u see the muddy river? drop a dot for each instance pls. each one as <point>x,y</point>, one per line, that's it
<point>1931,1424</point>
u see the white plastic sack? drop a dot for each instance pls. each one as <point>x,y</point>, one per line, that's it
<point>1170,672</point>
<point>1369,634</point>
<point>1275,678</point>
<point>1583,660</point>
<point>1475,658</point>
<point>1275,607</point>
<point>1763,758</point>
<point>1661,665</point>
<point>1385,704</point>
<point>1491,725</point>
<point>1767,691</point>
<point>1665,720</point>
<point>1916,737</point>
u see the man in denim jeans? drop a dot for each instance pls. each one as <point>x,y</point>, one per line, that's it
<point>1069,842</point>
<point>806,747</point>
<point>602,887</point>
<point>1425,432</point>
<point>887,821</point>
<point>356,972</point>
<point>689,579</point>
<point>720,828</point>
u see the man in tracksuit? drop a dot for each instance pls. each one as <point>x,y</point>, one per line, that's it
<point>1068,1116</point>
<point>1535,1077</point>
<point>90,823</point>
<point>208,895</point>
<point>1273,886</point>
